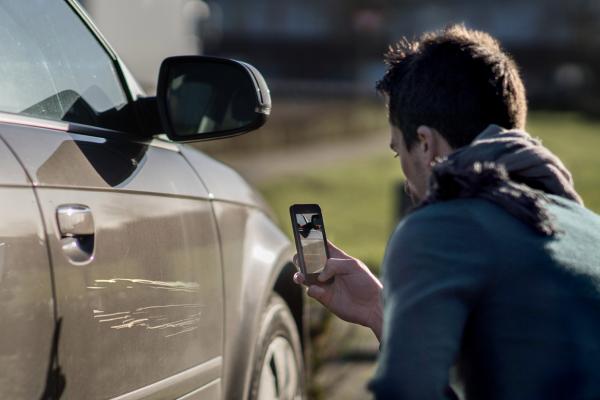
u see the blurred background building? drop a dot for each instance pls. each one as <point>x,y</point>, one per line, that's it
<point>144,32</point>
<point>334,47</point>
<point>555,42</point>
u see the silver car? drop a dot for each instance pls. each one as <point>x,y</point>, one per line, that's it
<point>133,266</point>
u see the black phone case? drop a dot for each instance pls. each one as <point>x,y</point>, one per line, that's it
<point>303,209</point>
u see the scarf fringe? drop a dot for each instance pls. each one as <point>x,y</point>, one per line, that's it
<point>490,181</point>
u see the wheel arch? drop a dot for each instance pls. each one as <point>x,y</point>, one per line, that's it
<point>257,262</point>
<point>293,296</point>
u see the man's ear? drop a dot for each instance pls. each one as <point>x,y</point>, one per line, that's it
<point>432,144</point>
<point>426,140</point>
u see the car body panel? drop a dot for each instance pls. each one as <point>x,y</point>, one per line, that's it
<point>223,182</point>
<point>60,159</point>
<point>25,288</point>
<point>168,388</point>
<point>12,172</point>
<point>147,304</point>
<point>254,253</point>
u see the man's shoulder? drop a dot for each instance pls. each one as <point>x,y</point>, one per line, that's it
<point>449,225</point>
<point>485,224</point>
<point>575,221</point>
<point>452,214</point>
<point>470,225</point>
<point>443,239</point>
<point>562,208</point>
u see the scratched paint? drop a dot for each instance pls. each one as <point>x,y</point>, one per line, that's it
<point>168,319</point>
<point>189,287</point>
<point>147,318</point>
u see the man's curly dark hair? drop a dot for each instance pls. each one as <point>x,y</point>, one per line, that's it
<point>457,81</point>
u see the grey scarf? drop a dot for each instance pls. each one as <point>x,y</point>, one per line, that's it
<point>509,168</point>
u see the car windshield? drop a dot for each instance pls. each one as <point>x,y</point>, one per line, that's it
<point>53,67</point>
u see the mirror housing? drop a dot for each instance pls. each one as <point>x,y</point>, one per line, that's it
<point>204,98</point>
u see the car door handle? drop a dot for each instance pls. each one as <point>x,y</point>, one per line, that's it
<point>76,227</point>
<point>74,220</point>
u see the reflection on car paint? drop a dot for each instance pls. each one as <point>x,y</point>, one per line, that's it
<point>2,249</point>
<point>264,254</point>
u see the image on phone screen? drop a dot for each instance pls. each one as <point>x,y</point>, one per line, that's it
<point>310,232</point>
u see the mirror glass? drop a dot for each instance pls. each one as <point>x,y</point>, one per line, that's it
<point>210,97</point>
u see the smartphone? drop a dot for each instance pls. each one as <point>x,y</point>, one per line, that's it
<point>311,240</point>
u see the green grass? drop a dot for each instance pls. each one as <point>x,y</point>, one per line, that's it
<point>576,140</point>
<point>357,197</point>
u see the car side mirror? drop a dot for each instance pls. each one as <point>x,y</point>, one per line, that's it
<point>201,98</point>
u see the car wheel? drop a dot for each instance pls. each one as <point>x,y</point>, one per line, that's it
<point>278,367</point>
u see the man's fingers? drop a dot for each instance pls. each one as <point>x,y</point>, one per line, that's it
<point>318,293</point>
<point>334,266</point>
<point>336,252</point>
<point>295,260</point>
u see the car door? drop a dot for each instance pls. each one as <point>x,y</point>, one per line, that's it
<point>131,233</point>
<point>27,367</point>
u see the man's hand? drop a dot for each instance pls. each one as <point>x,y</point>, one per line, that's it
<point>354,295</point>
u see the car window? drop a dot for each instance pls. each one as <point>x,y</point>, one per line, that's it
<point>51,66</point>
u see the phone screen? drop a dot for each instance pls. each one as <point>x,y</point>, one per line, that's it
<point>310,236</point>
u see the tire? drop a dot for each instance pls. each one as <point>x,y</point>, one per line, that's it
<point>278,371</point>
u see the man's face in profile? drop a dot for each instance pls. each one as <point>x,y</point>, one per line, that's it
<point>416,174</point>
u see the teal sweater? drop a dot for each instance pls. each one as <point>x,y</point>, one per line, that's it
<point>517,314</point>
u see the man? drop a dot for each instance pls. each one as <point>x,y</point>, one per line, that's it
<point>497,271</point>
